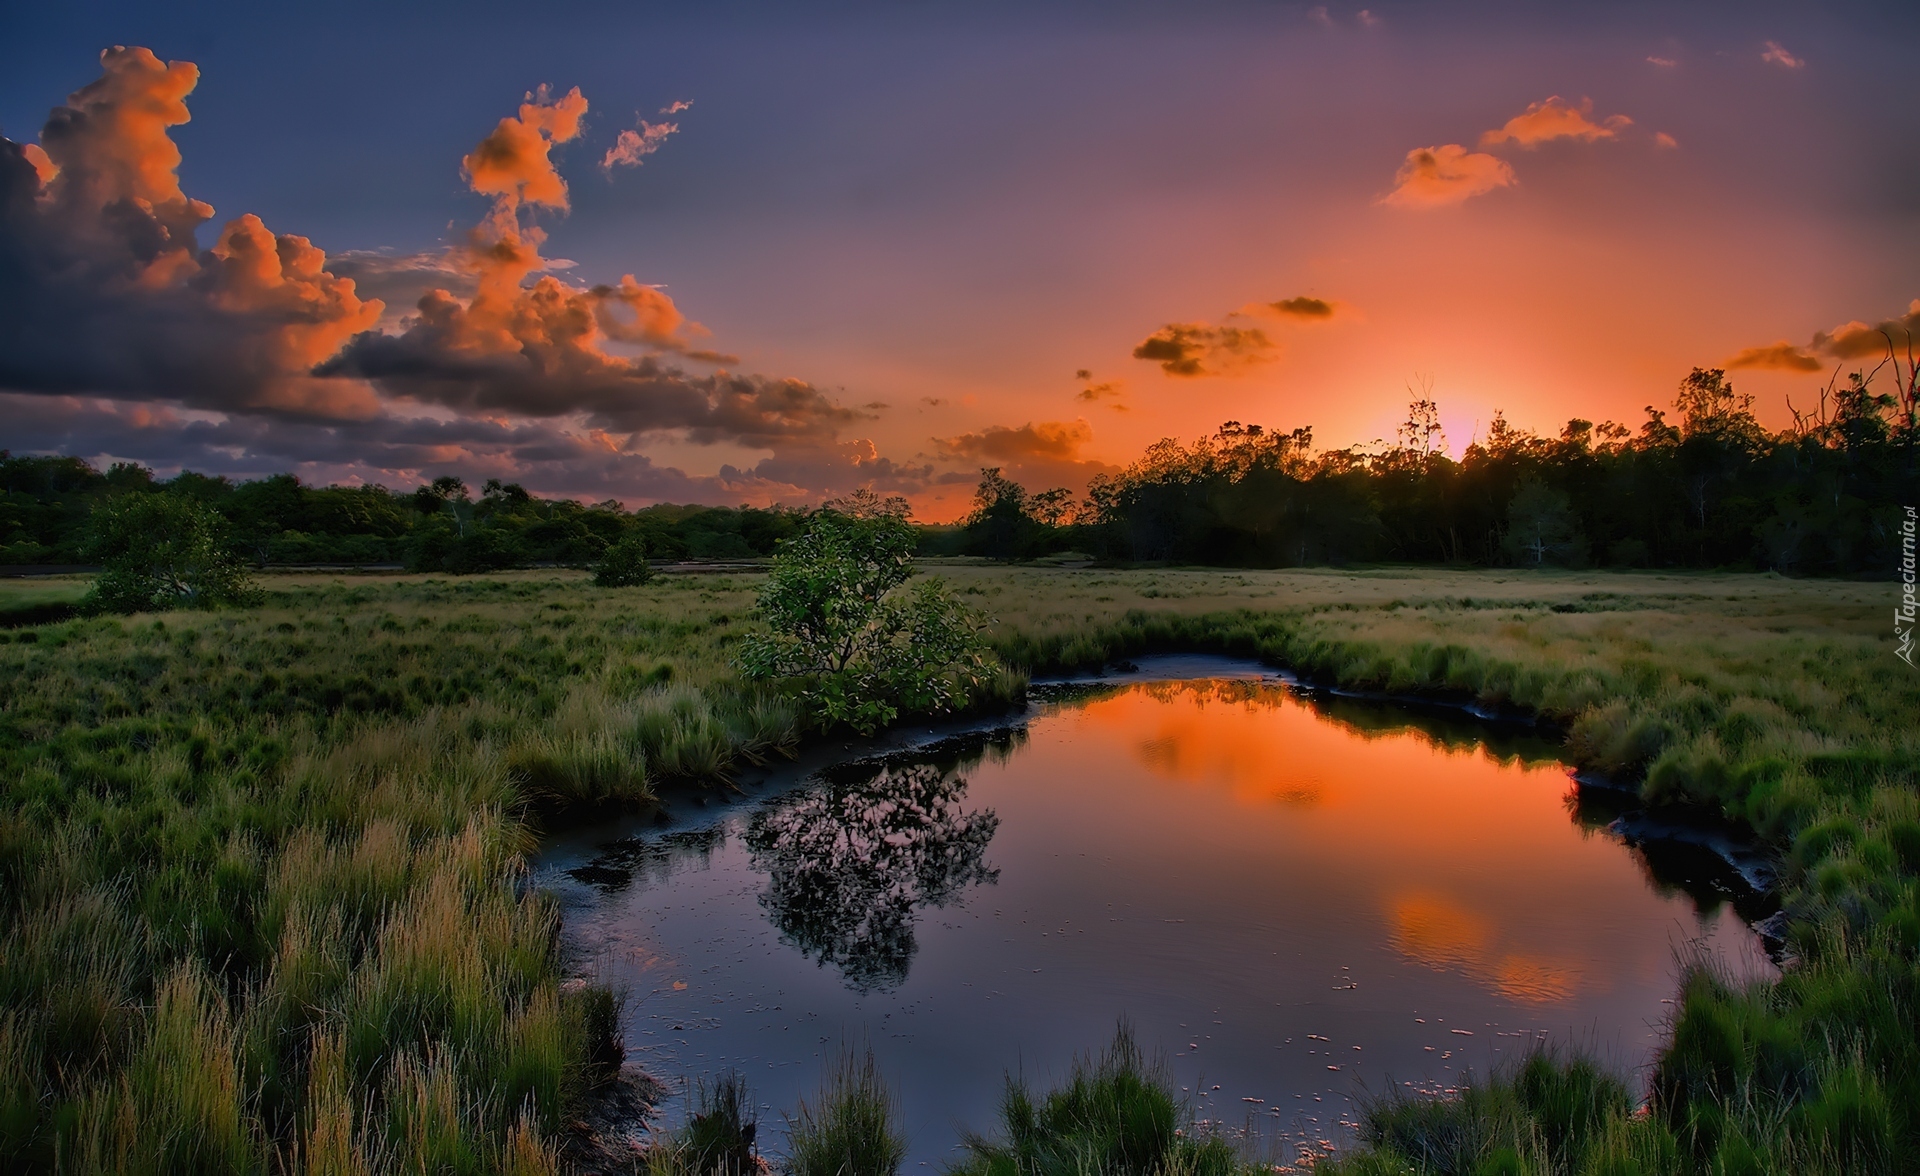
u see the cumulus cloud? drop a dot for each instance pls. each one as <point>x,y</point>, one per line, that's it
<point>108,292</point>
<point>1200,349</point>
<point>514,164</point>
<point>1850,340</point>
<point>1779,357</point>
<point>1049,440</point>
<point>1775,54</point>
<point>1436,177</point>
<point>543,350</point>
<point>1662,139</point>
<point>258,352</point>
<point>1044,453</point>
<point>1858,340</point>
<point>1555,118</point>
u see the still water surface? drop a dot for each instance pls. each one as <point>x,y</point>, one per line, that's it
<point>1291,899</point>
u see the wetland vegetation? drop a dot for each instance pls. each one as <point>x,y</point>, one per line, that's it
<point>261,869</point>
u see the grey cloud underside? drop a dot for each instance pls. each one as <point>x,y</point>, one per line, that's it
<point>640,395</point>
<point>399,279</point>
<point>76,320</point>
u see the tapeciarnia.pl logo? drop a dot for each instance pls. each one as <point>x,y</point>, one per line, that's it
<point>1903,617</point>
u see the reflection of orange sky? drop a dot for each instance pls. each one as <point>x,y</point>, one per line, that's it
<point>1434,836</point>
<point>1432,929</point>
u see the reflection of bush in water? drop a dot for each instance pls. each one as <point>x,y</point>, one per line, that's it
<point>848,865</point>
<point>651,861</point>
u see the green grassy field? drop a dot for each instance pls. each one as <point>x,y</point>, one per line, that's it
<point>260,870</point>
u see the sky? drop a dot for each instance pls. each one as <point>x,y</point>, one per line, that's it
<point>740,253</point>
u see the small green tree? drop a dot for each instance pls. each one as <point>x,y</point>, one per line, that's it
<point>623,564</point>
<point>860,646</point>
<point>160,551</point>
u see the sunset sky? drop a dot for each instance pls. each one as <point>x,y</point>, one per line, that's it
<point>743,253</point>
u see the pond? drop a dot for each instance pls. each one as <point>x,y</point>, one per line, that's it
<point>1293,898</point>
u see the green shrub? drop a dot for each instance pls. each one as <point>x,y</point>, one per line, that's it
<point>623,564</point>
<point>161,551</point>
<point>861,648</point>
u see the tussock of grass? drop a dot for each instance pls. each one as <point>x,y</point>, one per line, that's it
<point>1547,1113</point>
<point>851,1128</point>
<point>1116,1115</point>
<point>719,1137</point>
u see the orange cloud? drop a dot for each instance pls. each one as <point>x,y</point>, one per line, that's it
<point>514,164</point>
<point>1555,118</point>
<point>1776,55</point>
<point>1850,340</point>
<point>108,291</point>
<point>1780,357</point>
<point>1436,177</point>
<point>541,349</point>
<point>1662,139</point>
<point>1199,349</point>
<point>1048,440</point>
<point>1044,453</point>
<point>634,146</point>
<point>110,141</point>
<point>1857,340</point>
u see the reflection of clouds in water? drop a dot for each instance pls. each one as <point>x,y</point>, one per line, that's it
<point>1434,930</point>
<point>1371,719</point>
<point>1184,744</point>
<point>849,865</point>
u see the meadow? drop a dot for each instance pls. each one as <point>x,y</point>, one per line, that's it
<point>262,870</point>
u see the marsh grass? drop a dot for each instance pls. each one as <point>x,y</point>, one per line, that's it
<point>851,1127</point>
<point>262,902</point>
<point>719,1138</point>
<point>1115,1115</point>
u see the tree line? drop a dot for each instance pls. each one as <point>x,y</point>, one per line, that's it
<point>1704,485</point>
<point>51,513</point>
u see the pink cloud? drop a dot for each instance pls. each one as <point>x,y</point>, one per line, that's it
<point>1438,177</point>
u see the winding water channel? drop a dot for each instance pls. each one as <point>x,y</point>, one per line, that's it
<point>1293,898</point>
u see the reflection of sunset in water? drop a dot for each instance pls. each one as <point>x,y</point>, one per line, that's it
<point>1289,900</point>
<point>1433,930</point>
<point>1465,863</point>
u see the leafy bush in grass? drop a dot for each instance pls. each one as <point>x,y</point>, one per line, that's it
<point>861,646</point>
<point>161,551</point>
<point>623,564</point>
